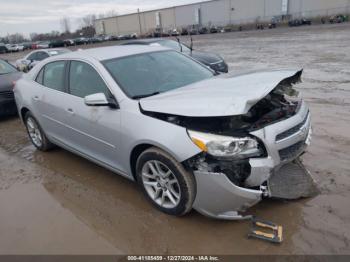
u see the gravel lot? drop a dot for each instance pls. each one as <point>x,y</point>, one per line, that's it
<point>59,203</point>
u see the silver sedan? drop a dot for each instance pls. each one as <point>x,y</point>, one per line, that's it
<point>189,138</point>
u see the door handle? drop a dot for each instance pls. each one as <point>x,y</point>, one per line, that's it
<point>70,110</point>
<point>36,98</point>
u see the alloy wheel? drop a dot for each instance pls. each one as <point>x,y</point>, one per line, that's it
<point>161,184</point>
<point>34,132</point>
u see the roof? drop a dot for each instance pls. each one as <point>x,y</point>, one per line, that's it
<point>158,9</point>
<point>105,53</point>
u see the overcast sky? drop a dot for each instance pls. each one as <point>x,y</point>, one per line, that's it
<point>27,16</point>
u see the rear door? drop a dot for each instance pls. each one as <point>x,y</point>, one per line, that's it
<point>50,100</point>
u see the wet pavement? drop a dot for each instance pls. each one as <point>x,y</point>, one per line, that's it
<point>59,203</point>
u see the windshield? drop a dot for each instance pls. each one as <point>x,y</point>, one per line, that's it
<point>6,68</point>
<point>152,73</point>
<point>174,45</point>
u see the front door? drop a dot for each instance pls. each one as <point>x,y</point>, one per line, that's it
<point>95,131</point>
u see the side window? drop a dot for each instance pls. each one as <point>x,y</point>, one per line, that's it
<point>41,56</point>
<point>39,77</point>
<point>32,57</point>
<point>54,75</point>
<point>84,80</point>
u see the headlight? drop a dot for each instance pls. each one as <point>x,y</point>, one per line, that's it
<point>226,146</point>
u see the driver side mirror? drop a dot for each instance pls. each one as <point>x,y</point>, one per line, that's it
<point>100,99</point>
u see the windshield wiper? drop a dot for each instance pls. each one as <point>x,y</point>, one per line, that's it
<point>146,95</point>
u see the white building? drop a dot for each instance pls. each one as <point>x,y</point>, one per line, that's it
<point>217,12</point>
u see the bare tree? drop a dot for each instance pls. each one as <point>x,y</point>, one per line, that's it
<point>65,24</point>
<point>88,20</point>
<point>111,13</point>
<point>33,36</point>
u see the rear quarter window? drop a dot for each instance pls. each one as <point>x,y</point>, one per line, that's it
<point>40,76</point>
<point>52,76</point>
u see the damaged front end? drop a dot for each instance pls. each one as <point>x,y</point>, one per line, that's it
<point>252,155</point>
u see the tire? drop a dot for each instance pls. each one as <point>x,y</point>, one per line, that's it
<point>183,191</point>
<point>32,126</point>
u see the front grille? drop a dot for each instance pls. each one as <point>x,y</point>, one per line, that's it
<point>292,151</point>
<point>7,95</point>
<point>292,130</point>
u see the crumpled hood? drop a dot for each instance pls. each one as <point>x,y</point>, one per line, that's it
<point>217,96</point>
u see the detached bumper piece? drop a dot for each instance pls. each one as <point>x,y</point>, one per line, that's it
<point>266,230</point>
<point>292,181</point>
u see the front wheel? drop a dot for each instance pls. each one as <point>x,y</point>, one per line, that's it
<point>36,134</point>
<point>165,182</point>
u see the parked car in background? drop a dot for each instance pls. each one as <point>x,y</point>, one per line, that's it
<point>184,31</point>
<point>127,36</point>
<point>107,38</point>
<point>8,76</point>
<point>214,30</point>
<point>274,22</point>
<point>193,31</point>
<point>123,37</point>
<point>14,47</point>
<point>174,32</point>
<point>35,45</point>
<point>299,22</point>
<point>81,41</point>
<point>3,48</point>
<point>203,30</point>
<point>157,117</point>
<point>294,22</point>
<point>42,45</point>
<point>30,60</point>
<point>305,21</point>
<point>214,61</point>
<point>26,45</point>
<point>68,42</point>
<point>56,43</point>
<point>338,19</point>
<point>113,38</point>
<point>158,32</point>
<point>95,39</point>
<point>133,36</point>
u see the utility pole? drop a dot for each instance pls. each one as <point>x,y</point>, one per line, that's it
<point>138,12</point>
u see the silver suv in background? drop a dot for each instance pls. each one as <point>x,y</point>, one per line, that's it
<point>190,139</point>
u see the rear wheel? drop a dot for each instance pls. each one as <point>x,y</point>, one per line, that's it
<point>36,134</point>
<point>165,182</point>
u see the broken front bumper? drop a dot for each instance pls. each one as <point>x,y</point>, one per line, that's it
<point>280,171</point>
<point>218,197</point>
<point>284,141</point>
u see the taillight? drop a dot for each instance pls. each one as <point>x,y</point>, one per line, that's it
<point>13,84</point>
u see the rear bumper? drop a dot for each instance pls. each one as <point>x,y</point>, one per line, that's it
<point>7,107</point>
<point>220,198</point>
